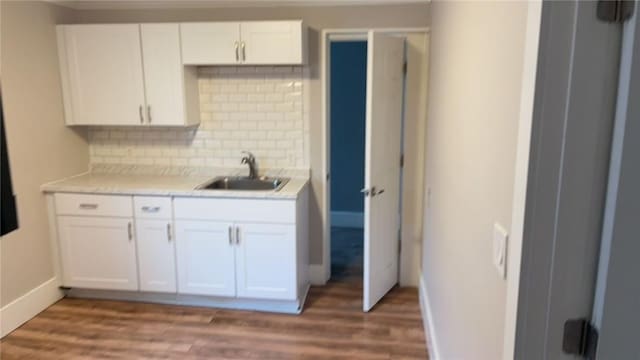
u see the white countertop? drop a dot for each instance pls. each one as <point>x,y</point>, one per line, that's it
<point>163,185</point>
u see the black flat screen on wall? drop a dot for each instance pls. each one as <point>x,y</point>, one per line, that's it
<point>9,220</point>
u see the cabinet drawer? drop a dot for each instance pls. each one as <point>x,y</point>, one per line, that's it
<point>152,207</point>
<point>250,210</point>
<point>93,205</point>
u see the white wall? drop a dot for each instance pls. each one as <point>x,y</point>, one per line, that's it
<point>40,147</point>
<point>475,83</point>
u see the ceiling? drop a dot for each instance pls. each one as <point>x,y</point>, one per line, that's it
<point>172,4</point>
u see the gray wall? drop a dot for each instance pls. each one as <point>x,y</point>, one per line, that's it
<point>40,147</point>
<point>317,18</point>
<point>475,83</point>
<point>348,117</point>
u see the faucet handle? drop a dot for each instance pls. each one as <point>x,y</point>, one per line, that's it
<point>248,154</point>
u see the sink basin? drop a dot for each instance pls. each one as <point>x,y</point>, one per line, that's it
<point>244,183</point>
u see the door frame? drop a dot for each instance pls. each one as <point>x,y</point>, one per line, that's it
<point>615,314</point>
<point>408,265</point>
<point>556,258</point>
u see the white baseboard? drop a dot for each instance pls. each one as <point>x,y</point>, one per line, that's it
<point>347,219</point>
<point>28,305</point>
<point>427,319</point>
<point>316,275</point>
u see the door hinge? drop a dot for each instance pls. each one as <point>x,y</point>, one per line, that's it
<point>401,160</point>
<point>399,242</point>
<point>580,338</point>
<point>615,11</point>
<point>404,68</point>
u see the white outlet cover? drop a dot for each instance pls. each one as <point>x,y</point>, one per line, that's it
<point>500,237</point>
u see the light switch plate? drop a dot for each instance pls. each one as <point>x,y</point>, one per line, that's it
<point>500,237</point>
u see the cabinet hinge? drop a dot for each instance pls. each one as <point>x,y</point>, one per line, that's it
<point>404,68</point>
<point>615,11</point>
<point>401,160</point>
<point>580,338</point>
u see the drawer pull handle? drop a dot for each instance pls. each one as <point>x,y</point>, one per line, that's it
<point>237,235</point>
<point>130,231</point>
<point>169,232</point>
<point>151,209</point>
<point>230,236</point>
<point>88,206</point>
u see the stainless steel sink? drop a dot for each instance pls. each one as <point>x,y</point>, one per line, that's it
<point>244,183</point>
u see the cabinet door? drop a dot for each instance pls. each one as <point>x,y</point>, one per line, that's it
<point>210,43</point>
<point>205,255</point>
<point>266,261</point>
<point>163,74</point>
<point>98,252</point>
<point>272,42</point>
<point>102,74</point>
<point>156,255</point>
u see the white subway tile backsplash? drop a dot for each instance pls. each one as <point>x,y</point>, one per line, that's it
<point>259,109</point>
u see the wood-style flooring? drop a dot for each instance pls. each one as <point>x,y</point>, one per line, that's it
<point>332,326</point>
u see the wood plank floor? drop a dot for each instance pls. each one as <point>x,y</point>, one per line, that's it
<point>332,326</point>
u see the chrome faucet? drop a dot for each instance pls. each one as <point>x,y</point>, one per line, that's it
<point>250,160</point>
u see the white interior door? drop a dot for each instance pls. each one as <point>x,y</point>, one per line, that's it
<point>385,59</point>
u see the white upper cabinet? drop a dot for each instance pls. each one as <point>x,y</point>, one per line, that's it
<point>128,74</point>
<point>210,43</point>
<point>272,42</point>
<point>248,43</point>
<point>164,76</point>
<point>102,74</point>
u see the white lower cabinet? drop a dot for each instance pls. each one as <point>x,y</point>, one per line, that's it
<point>156,255</point>
<point>247,253</point>
<point>205,255</point>
<point>266,261</point>
<point>98,252</point>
